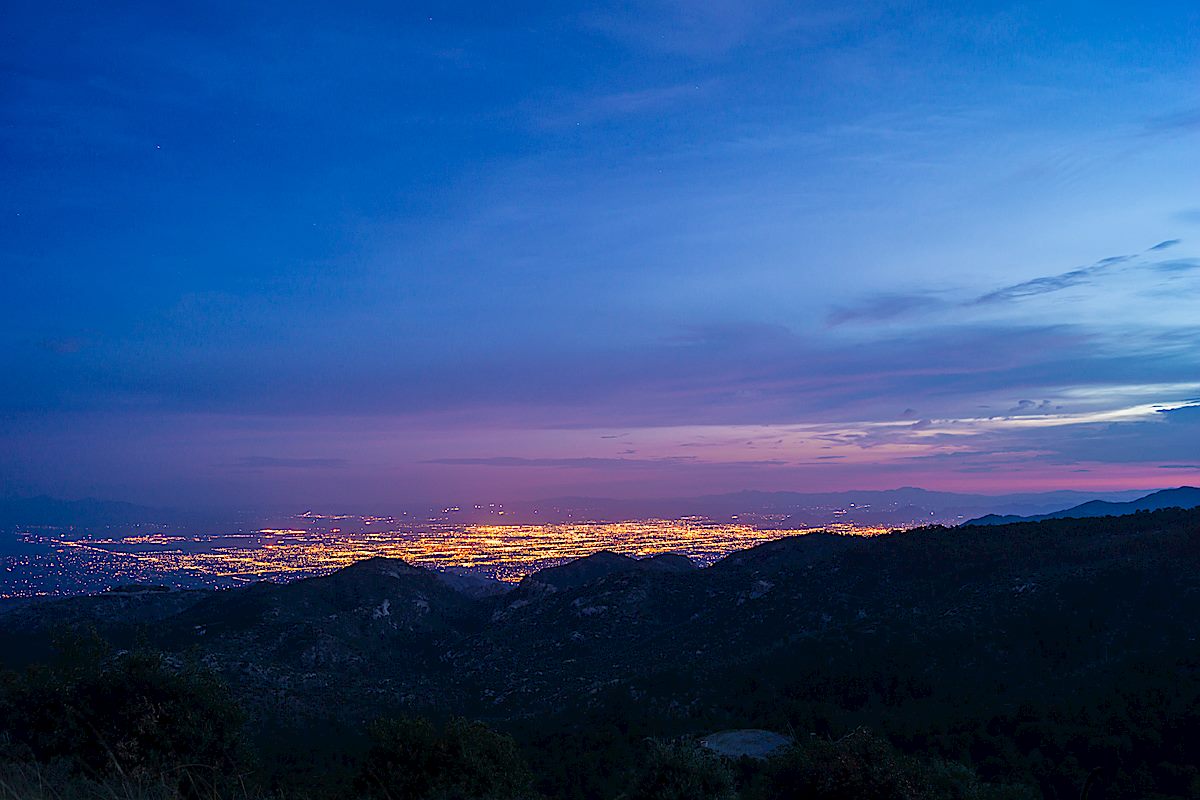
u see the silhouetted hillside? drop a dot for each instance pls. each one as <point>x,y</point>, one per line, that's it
<point>1035,652</point>
<point>604,563</point>
<point>1183,497</point>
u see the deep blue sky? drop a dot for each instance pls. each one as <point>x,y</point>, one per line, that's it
<point>312,254</point>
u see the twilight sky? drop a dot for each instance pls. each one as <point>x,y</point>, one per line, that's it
<point>315,254</point>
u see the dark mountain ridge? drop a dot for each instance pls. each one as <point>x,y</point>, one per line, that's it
<point>604,563</point>
<point>566,628</point>
<point>942,637</point>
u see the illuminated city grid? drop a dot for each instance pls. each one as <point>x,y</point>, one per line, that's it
<point>72,564</point>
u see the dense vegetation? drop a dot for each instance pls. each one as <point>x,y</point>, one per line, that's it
<point>135,724</point>
<point>1046,659</point>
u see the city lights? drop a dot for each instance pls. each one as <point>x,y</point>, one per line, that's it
<point>61,563</point>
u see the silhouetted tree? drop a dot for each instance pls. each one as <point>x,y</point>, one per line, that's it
<point>681,770</point>
<point>410,759</point>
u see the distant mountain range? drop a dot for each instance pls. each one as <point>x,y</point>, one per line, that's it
<point>92,513</point>
<point>1183,497</point>
<point>88,512</point>
<point>902,507</point>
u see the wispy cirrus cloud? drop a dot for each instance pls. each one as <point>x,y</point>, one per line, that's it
<point>907,305</point>
<point>587,462</point>
<point>1053,283</point>
<point>885,307</point>
<point>700,28</point>
<point>1166,245</point>
<point>271,462</point>
<point>1180,122</point>
<point>592,109</point>
<point>1177,265</point>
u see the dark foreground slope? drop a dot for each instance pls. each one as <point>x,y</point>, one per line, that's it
<point>1038,653</point>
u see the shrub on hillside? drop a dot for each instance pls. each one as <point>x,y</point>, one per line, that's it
<point>681,771</point>
<point>414,760</point>
<point>132,717</point>
<point>862,766</point>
